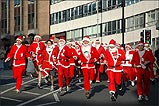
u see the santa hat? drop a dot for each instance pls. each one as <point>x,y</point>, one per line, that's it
<point>140,43</point>
<point>146,44</point>
<point>37,36</point>
<point>52,38</point>
<point>20,38</point>
<point>55,43</point>
<point>128,45</point>
<point>112,42</point>
<point>86,38</point>
<point>62,39</point>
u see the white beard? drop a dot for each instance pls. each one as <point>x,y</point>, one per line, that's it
<point>113,50</point>
<point>49,48</point>
<point>61,44</point>
<point>97,46</point>
<point>146,48</point>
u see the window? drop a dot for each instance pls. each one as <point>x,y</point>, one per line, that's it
<point>76,12</point>
<point>94,11</point>
<point>111,27</point>
<point>135,22</point>
<point>72,13</point>
<point>130,2</point>
<point>52,19</point>
<point>152,17</point>
<point>80,11</point>
<point>89,9</point>
<point>85,11</point>
<point>68,17</point>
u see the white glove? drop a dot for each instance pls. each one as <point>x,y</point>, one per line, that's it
<point>7,59</point>
<point>143,66</point>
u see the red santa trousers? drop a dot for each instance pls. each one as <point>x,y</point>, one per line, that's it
<point>71,71</point>
<point>99,70</point>
<point>88,76</point>
<point>114,78</point>
<point>152,76</point>
<point>17,74</point>
<point>129,73</point>
<point>143,81</point>
<point>63,72</point>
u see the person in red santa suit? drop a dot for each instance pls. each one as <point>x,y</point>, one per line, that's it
<point>35,50</point>
<point>47,61</point>
<point>129,71</point>
<point>88,55</point>
<point>100,61</point>
<point>72,59</point>
<point>150,66</point>
<point>114,57</point>
<point>63,57</point>
<point>19,54</point>
<point>77,65</point>
<point>141,59</point>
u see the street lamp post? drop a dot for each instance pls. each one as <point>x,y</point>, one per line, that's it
<point>97,17</point>
<point>123,22</point>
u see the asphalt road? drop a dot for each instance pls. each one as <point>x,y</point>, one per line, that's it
<point>32,96</point>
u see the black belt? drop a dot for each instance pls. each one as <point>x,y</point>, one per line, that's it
<point>114,66</point>
<point>89,63</point>
<point>18,59</point>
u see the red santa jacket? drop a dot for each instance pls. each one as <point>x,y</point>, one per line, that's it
<point>63,57</point>
<point>139,58</point>
<point>47,58</point>
<point>73,54</point>
<point>36,48</point>
<point>128,55</point>
<point>87,56</point>
<point>101,52</point>
<point>18,54</point>
<point>114,60</point>
<point>150,66</point>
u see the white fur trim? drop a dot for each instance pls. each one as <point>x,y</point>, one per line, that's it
<point>19,39</point>
<point>37,36</point>
<point>87,39</point>
<point>111,45</point>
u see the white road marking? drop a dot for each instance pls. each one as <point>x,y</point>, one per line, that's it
<point>8,84</point>
<point>46,88</point>
<point>29,101</point>
<point>11,99</point>
<point>56,97</point>
<point>31,93</point>
<point>45,104</point>
<point>14,87</point>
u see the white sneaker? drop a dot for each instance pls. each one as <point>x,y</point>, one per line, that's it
<point>90,81</point>
<point>108,81</point>
<point>140,98</point>
<point>97,81</point>
<point>46,81</point>
<point>52,88</point>
<point>132,83</point>
<point>146,98</point>
<point>67,88</point>
<point>60,89</point>
<point>17,90</point>
<point>79,80</point>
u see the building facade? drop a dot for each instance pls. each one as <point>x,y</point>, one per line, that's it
<point>23,17</point>
<point>105,19</point>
